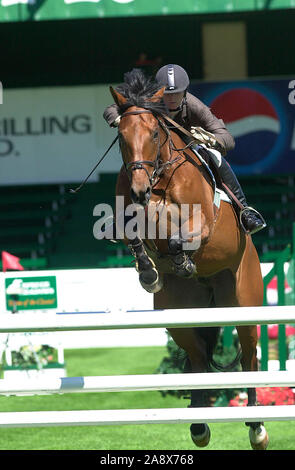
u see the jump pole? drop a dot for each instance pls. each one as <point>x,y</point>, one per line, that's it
<point>147,416</point>
<point>153,319</point>
<point>172,318</point>
<point>148,382</point>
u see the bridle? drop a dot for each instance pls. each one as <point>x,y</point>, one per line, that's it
<point>157,165</point>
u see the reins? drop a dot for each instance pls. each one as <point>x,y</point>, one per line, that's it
<point>74,191</point>
<point>140,111</point>
<point>138,165</point>
<point>158,166</point>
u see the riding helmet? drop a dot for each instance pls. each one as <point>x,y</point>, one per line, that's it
<point>173,77</point>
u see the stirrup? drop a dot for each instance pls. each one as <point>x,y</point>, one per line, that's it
<point>248,208</point>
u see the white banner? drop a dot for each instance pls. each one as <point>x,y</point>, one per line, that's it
<point>101,290</point>
<point>92,290</point>
<point>55,135</point>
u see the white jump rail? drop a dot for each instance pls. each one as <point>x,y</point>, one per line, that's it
<point>175,318</point>
<point>147,416</point>
<point>171,318</point>
<point>148,382</point>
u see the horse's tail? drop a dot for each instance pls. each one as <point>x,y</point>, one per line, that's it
<point>210,335</point>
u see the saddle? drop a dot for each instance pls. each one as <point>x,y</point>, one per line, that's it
<point>221,191</point>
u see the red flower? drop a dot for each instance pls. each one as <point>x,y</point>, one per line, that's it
<point>267,396</point>
<point>275,396</point>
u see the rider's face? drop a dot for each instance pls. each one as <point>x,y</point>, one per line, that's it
<point>173,100</point>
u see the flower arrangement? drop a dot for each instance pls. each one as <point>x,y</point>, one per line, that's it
<point>33,355</point>
<point>239,400</point>
<point>267,396</point>
<point>275,396</point>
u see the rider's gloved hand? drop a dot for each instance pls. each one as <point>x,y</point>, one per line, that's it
<point>207,138</point>
<point>116,122</point>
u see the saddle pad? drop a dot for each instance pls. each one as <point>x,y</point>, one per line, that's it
<point>220,195</point>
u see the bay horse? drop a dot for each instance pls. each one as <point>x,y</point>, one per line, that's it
<point>223,270</point>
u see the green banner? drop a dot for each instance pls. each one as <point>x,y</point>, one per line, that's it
<point>30,293</point>
<point>23,10</point>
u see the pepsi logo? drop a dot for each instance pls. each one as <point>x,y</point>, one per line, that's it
<point>253,121</point>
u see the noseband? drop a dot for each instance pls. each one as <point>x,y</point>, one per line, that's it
<point>139,164</point>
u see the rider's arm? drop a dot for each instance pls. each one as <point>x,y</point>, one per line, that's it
<point>201,115</point>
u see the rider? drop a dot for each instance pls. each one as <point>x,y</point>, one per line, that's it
<point>188,111</point>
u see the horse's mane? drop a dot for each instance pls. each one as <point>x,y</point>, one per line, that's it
<point>138,90</point>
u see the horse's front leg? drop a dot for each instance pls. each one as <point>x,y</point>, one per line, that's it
<point>149,277</point>
<point>184,242</point>
<point>182,263</point>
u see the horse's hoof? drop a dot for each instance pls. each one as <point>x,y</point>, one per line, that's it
<point>258,438</point>
<point>151,281</point>
<point>201,440</point>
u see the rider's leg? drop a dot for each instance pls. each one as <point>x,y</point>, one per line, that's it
<point>250,218</point>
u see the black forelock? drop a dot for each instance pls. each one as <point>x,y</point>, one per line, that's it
<point>138,90</point>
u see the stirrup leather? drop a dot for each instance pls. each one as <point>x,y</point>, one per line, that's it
<point>248,208</point>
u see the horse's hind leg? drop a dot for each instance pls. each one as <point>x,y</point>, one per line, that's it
<point>246,289</point>
<point>189,340</point>
<point>250,293</point>
<point>248,338</point>
<point>192,294</point>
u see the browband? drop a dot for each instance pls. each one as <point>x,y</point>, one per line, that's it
<point>139,111</point>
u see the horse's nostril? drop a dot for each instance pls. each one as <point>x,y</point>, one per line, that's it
<point>141,197</point>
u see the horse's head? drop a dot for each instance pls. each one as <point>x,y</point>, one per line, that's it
<point>140,142</point>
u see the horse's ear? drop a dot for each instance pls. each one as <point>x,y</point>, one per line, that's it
<point>158,95</point>
<point>119,99</point>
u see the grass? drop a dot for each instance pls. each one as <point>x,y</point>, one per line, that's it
<point>229,436</point>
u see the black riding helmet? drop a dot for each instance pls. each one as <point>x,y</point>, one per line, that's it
<point>173,77</point>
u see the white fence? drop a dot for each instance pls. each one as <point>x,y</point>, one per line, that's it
<point>175,318</point>
<point>152,319</point>
<point>92,290</point>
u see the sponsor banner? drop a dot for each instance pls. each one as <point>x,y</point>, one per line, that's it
<point>91,291</point>
<point>19,10</point>
<point>31,293</point>
<point>79,290</point>
<point>101,291</point>
<point>55,135</point>
<point>260,114</point>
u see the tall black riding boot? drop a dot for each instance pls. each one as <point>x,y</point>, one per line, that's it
<point>250,218</point>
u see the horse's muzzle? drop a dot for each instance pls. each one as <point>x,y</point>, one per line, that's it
<point>141,197</point>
